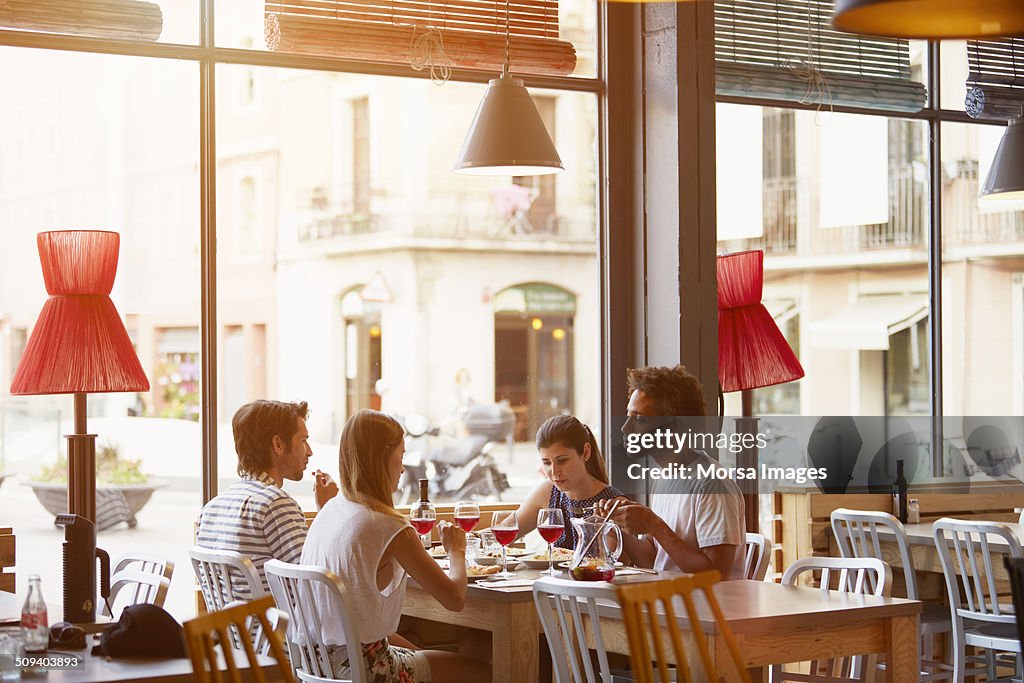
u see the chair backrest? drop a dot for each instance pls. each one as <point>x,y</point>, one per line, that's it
<point>207,634</point>
<point>755,557</point>
<point>564,607</point>
<point>300,592</point>
<point>857,535</point>
<point>645,634</point>
<point>132,587</point>
<point>227,578</point>
<point>965,551</point>
<point>860,575</point>
<point>139,578</point>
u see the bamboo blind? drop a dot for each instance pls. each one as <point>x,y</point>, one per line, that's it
<point>472,31</point>
<point>133,19</point>
<point>788,50</point>
<point>995,78</point>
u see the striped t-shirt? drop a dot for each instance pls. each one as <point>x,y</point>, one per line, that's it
<point>256,518</point>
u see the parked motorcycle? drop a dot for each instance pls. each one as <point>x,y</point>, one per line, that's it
<point>458,468</point>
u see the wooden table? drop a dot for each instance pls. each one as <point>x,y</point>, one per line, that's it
<point>925,555</point>
<point>773,624</point>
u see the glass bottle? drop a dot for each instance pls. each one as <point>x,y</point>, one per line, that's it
<point>35,626</point>
<point>422,515</point>
<point>899,494</point>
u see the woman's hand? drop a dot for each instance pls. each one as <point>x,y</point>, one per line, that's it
<point>453,538</point>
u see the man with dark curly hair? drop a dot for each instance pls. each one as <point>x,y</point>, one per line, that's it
<point>255,516</point>
<point>694,524</point>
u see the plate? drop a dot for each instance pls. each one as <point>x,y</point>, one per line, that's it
<point>478,577</point>
<point>536,564</point>
<point>565,565</point>
<point>510,561</point>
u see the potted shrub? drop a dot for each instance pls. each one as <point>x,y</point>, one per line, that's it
<point>122,488</point>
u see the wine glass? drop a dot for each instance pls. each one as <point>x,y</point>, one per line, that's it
<point>551,525</point>
<point>505,526</point>
<point>422,516</point>
<point>467,515</point>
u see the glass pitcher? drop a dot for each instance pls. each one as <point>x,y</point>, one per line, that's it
<point>598,546</point>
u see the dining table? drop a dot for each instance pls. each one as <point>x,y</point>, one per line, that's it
<point>772,623</point>
<point>925,555</point>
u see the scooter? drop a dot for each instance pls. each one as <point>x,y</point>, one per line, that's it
<point>458,468</point>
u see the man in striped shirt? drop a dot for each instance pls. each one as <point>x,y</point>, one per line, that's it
<point>254,516</point>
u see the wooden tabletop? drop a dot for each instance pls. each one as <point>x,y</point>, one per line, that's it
<point>101,669</point>
<point>923,534</point>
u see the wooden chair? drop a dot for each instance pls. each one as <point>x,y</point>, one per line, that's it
<point>208,644</point>
<point>755,557</point>
<point>857,535</point>
<point>565,607</point>
<point>862,576</point>
<point>979,619</point>
<point>643,604</point>
<point>304,593</point>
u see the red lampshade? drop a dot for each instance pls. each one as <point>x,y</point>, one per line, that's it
<point>79,344</point>
<point>752,352</point>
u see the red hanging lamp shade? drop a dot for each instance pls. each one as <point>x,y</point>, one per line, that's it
<point>752,352</point>
<point>79,344</point>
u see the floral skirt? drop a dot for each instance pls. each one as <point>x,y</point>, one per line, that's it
<point>384,663</point>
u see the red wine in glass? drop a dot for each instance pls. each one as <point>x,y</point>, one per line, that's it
<point>467,523</point>
<point>423,526</point>
<point>551,532</point>
<point>505,536</point>
<point>593,573</point>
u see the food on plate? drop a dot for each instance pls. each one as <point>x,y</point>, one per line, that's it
<point>474,570</point>
<point>438,551</point>
<point>557,554</point>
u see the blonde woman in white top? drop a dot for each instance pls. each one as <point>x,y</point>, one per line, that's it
<point>373,549</point>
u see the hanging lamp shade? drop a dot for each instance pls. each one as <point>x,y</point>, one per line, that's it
<point>1006,177</point>
<point>752,352</point>
<point>507,136</point>
<point>78,344</point>
<point>938,19</point>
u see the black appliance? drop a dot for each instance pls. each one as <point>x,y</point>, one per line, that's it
<point>80,554</point>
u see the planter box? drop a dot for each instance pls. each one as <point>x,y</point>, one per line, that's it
<point>115,503</point>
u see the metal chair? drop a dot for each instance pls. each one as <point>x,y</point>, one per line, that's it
<point>857,535</point>
<point>654,598</point>
<point>304,593</point>
<point>563,606</point>
<point>144,578</point>
<point>209,646</point>
<point>755,557</point>
<point>862,576</point>
<point>982,622</point>
<point>227,578</point>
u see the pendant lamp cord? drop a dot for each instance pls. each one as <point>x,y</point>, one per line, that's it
<point>506,68</point>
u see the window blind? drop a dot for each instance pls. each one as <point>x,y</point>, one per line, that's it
<point>472,32</point>
<point>132,19</point>
<point>788,50</point>
<point>995,78</point>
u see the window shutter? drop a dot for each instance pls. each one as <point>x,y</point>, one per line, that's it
<point>995,78</point>
<point>132,19</point>
<point>788,50</point>
<point>472,31</point>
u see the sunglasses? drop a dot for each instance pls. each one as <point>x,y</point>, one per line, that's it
<point>67,635</point>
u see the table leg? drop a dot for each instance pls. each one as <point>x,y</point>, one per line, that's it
<point>515,647</point>
<point>901,653</point>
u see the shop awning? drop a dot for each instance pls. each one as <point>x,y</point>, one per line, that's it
<point>868,323</point>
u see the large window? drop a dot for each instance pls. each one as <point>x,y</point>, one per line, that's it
<point>353,269</point>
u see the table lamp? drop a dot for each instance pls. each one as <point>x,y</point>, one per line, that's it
<point>752,353</point>
<point>79,344</point>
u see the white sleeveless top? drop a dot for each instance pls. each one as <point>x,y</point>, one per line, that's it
<point>349,539</point>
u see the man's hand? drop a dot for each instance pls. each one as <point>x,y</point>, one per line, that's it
<point>633,518</point>
<point>324,488</point>
<point>453,538</point>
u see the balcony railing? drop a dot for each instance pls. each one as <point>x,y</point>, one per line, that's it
<point>963,222</point>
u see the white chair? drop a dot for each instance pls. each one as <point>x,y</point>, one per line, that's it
<point>564,606</point>
<point>227,578</point>
<point>857,535</point>
<point>863,576</point>
<point>304,593</point>
<point>982,622</point>
<point>138,586</point>
<point>755,558</point>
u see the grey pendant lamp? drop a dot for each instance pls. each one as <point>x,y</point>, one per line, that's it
<point>939,19</point>
<point>1006,177</point>
<point>507,136</point>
